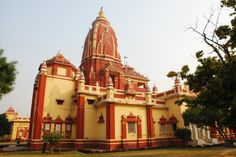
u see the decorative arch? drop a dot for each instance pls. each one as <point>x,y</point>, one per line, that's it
<point>58,120</point>
<point>47,120</point>
<point>173,123</point>
<point>162,120</point>
<point>131,118</point>
<point>163,125</point>
<point>68,127</point>
<point>101,119</point>
<point>173,119</point>
<point>58,124</point>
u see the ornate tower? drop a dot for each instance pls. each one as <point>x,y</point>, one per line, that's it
<point>101,58</point>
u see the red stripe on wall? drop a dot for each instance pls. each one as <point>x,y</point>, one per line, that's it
<point>110,121</point>
<point>39,107</point>
<point>80,118</point>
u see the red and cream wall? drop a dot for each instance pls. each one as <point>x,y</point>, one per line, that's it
<point>123,112</point>
<point>176,110</point>
<point>58,102</point>
<point>19,126</point>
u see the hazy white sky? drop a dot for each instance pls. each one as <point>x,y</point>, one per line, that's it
<point>151,33</point>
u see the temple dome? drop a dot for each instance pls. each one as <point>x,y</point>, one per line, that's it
<point>101,41</point>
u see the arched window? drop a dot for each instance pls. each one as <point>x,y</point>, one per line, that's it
<point>173,122</point>
<point>134,125</point>
<point>163,125</point>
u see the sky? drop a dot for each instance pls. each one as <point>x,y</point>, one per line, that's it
<point>153,34</point>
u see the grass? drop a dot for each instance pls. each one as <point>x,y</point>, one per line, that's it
<point>162,152</point>
<point>11,143</point>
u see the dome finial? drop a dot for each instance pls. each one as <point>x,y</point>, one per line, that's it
<point>101,12</point>
<point>101,17</point>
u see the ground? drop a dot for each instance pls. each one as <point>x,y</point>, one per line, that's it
<point>162,152</point>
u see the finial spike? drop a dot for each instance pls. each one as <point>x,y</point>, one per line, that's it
<point>59,52</point>
<point>101,12</point>
<point>177,81</point>
<point>154,88</point>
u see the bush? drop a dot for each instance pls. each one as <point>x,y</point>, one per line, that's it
<point>184,134</point>
<point>53,139</point>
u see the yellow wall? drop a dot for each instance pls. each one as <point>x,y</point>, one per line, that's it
<point>61,71</point>
<point>92,129</point>
<point>49,70</point>
<point>101,127</point>
<point>63,89</point>
<point>11,116</point>
<point>90,123</point>
<point>18,124</point>
<point>126,110</point>
<point>175,110</point>
<point>157,114</point>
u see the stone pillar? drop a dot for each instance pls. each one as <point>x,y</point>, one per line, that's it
<point>33,104</point>
<point>149,113</point>
<point>123,127</point>
<point>38,110</point>
<point>110,121</point>
<point>80,117</point>
<point>191,129</point>
<point>139,126</point>
<point>208,133</point>
<point>81,82</point>
<point>110,89</point>
<point>149,122</point>
<point>195,131</point>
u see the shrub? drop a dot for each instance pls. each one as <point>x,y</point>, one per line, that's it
<point>184,134</point>
<point>53,139</point>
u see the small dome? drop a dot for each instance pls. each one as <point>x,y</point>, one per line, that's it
<point>11,109</point>
<point>101,40</point>
<point>177,81</point>
<point>154,88</point>
<point>59,59</point>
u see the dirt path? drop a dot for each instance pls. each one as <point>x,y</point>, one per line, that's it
<point>225,153</point>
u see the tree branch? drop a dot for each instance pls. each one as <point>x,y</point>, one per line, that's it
<point>206,39</point>
<point>213,47</point>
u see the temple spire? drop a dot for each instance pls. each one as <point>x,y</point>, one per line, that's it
<point>101,12</point>
<point>101,15</point>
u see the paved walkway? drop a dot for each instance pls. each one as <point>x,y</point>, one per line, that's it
<point>15,148</point>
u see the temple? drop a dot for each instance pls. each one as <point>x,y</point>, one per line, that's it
<point>19,127</point>
<point>104,104</point>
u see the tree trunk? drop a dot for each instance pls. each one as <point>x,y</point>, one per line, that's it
<point>44,147</point>
<point>224,136</point>
<point>51,148</point>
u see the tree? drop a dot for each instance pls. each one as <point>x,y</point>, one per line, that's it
<point>53,139</point>
<point>5,128</point>
<point>184,134</point>
<point>214,79</point>
<point>7,74</point>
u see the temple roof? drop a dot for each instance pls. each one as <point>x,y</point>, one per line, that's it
<point>113,69</point>
<point>130,71</point>
<point>101,41</point>
<point>11,109</point>
<point>59,59</point>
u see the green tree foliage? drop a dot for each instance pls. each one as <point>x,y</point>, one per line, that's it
<point>184,134</point>
<point>53,139</point>
<point>228,33</point>
<point>7,74</point>
<point>214,80</point>
<point>5,125</point>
